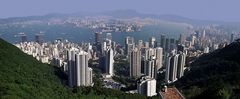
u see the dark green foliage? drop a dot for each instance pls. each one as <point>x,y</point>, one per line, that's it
<point>22,76</point>
<point>121,67</point>
<point>214,75</point>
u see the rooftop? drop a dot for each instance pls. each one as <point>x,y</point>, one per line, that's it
<point>172,93</point>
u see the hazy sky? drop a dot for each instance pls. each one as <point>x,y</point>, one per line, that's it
<point>225,10</point>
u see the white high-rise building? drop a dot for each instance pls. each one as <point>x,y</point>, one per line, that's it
<point>71,66</point>
<point>152,42</point>
<point>181,64</point>
<point>159,60</point>
<point>79,74</point>
<point>147,86</point>
<point>104,47</point>
<point>149,67</point>
<point>167,63</point>
<point>135,63</point>
<point>157,54</point>
<point>129,45</point>
<point>171,68</point>
<point>109,62</point>
<point>149,52</point>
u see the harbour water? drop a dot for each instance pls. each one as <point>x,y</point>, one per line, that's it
<point>76,34</point>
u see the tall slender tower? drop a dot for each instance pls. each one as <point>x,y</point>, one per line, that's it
<point>71,66</point>
<point>152,42</point>
<point>109,62</point>
<point>98,41</point>
<point>168,62</point>
<point>149,69</point>
<point>129,45</point>
<point>171,68</point>
<point>181,64</point>
<point>79,74</point>
<point>181,39</point>
<point>159,60</point>
<point>149,52</point>
<point>163,41</point>
<point>135,63</point>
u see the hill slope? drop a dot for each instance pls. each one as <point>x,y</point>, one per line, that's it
<point>215,75</point>
<point>22,76</point>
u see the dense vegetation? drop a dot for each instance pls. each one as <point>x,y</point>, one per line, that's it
<point>214,76</point>
<point>22,76</point>
<point>121,67</point>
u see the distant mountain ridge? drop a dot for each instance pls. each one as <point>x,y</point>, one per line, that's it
<point>128,14</point>
<point>166,17</point>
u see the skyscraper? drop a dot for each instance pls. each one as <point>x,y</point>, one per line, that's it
<point>129,48</point>
<point>159,59</point>
<point>109,62</point>
<point>171,68</point>
<point>157,54</point>
<point>147,86</point>
<point>98,37</point>
<point>103,47</point>
<point>204,34</point>
<point>135,63</point>
<point>167,45</point>
<point>167,63</point>
<point>79,74</point>
<point>193,39</point>
<point>181,39</point>
<point>149,52</point>
<point>71,66</point>
<point>181,64</point>
<point>163,41</point>
<point>149,67</point>
<point>152,42</point>
<point>98,43</point>
<point>129,45</point>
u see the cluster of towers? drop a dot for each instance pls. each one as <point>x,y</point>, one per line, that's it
<point>175,63</point>
<point>147,59</point>
<point>79,74</point>
<point>105,49</point>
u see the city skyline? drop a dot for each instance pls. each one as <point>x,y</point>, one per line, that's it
<point>203,10</point>
<point>119,49</point>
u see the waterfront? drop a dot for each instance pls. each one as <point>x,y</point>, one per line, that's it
<point>76,34</point>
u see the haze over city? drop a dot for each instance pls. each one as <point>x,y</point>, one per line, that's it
<point>220,10</point>
<point>125,49</point>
